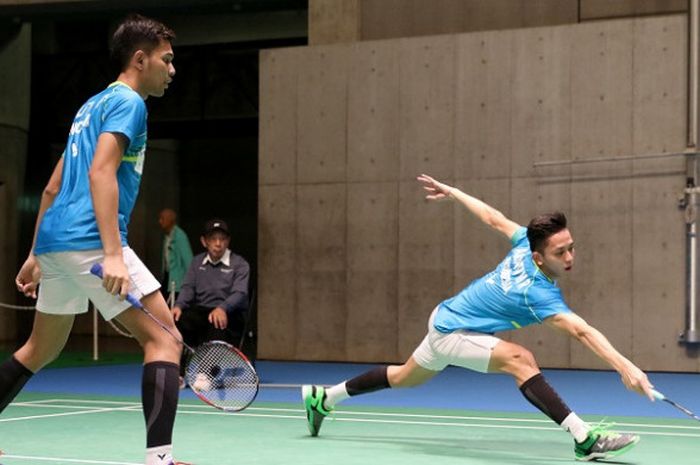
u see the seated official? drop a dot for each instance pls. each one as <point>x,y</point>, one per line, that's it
<point>213,299</point>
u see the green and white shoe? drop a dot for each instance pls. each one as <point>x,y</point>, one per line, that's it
<point>604,444</point>
<point>315,410</point>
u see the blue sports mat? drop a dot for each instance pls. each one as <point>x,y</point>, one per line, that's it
<point>586,392</point>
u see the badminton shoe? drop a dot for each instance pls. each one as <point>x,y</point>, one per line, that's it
<point>315,410</point>
<point>604,444</point>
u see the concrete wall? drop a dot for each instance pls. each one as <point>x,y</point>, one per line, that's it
<point>335,21</point>
<point>352,260</point>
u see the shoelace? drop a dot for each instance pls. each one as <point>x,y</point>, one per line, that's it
<point>602,429</point>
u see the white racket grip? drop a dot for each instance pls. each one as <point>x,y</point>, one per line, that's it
<point>96,269</point>
<point>657,395</point>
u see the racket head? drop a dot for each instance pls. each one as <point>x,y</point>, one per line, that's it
<point>222,376</point>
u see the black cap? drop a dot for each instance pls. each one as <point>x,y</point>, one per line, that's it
<point>216,225</point>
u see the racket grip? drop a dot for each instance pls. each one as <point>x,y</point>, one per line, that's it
<point>657,395</point>
<point>96,269</point>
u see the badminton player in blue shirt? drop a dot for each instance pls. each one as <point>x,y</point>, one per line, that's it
<point>521,291</point>
<point>83,219</point>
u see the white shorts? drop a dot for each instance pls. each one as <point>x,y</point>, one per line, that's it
<point>67,284</point>
<point>461,348</point>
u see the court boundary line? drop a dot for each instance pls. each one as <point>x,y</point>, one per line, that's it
<point>63,460</point>
<point>199,409</point>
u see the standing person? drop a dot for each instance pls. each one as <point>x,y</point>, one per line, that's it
<point>177,253</point>
<point>519,292</point>
<point>82,220</point>
<point>213,300</point>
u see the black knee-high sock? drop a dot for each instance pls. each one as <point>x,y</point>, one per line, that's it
<point>540,394</point>
<point>13,376</point>
<point>371,381</point>
<point>159,394</point>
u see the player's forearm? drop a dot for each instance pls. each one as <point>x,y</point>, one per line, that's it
<point>105,201</point>
<point>595,341</point>
<point>483,211</point>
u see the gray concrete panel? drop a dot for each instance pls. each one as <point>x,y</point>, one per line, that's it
<point>427,83</point>
<point>426,262</point>
<point>372,300</point>
<point>334,21</point>
<point>322,119</point>
<point>658,273</point>
<point>541,92</point>
<point>276,228</point>
<point>277,271</point>
<point>374,112</point>
<point>660,100</point>
<point>278,314</point>
<point>507,14</point>
<point>381,19</point>
<point>374,23</point>
<point>322,267</point>
<point>372,226</point>
<point>601,75</point>
<point>597,9</point>
<point>432,17</point>
<point>372,316</point>
<point>321,227</point>
<point>483,105</point>
<point>602,293</point>
<point>322,316</point>
<point>278,116</point>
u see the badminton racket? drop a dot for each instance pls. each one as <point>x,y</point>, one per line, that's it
<point>218,373</point>
<point>657,395</point>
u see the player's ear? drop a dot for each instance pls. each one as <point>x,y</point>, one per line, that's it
<point>138,59</point>
<point>537,257</point>
<point>203,240</point>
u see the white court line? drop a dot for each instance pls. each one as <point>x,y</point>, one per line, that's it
<point>56,459</point>
<point>206,410</point>
<point>67,414</point>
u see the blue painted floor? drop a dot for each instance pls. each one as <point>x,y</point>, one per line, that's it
<point>586,392</point>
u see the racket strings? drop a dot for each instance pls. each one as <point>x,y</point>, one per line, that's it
<point>221,377</point>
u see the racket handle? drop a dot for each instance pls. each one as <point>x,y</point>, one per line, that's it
<point>657,395</point>
<point>97,271</point>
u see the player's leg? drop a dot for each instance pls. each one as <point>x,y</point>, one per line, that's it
<point>58,301</point>
<point>49,335</point>
<point>160,379</point>
<point>425,363</point>
<point>590,443</point>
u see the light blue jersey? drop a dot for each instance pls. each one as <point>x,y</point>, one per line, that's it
<point>514,295</point>
<point>70,224</point>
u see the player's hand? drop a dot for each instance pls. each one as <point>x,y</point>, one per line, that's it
<point>115,276</point>
<point>177,313</point>
<point>636,380</point>
<point>218,318</point>
<point>436,190</point>
<point>28,278</point>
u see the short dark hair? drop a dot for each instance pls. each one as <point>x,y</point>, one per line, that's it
<point>542,227</point>
<point>137,32</point>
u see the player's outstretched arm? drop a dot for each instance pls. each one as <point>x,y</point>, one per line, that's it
<point>572,324</point>
<point>483,211</point>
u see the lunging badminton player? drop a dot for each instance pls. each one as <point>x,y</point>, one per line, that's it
<point>521,291</point>
<point>82,220</point>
